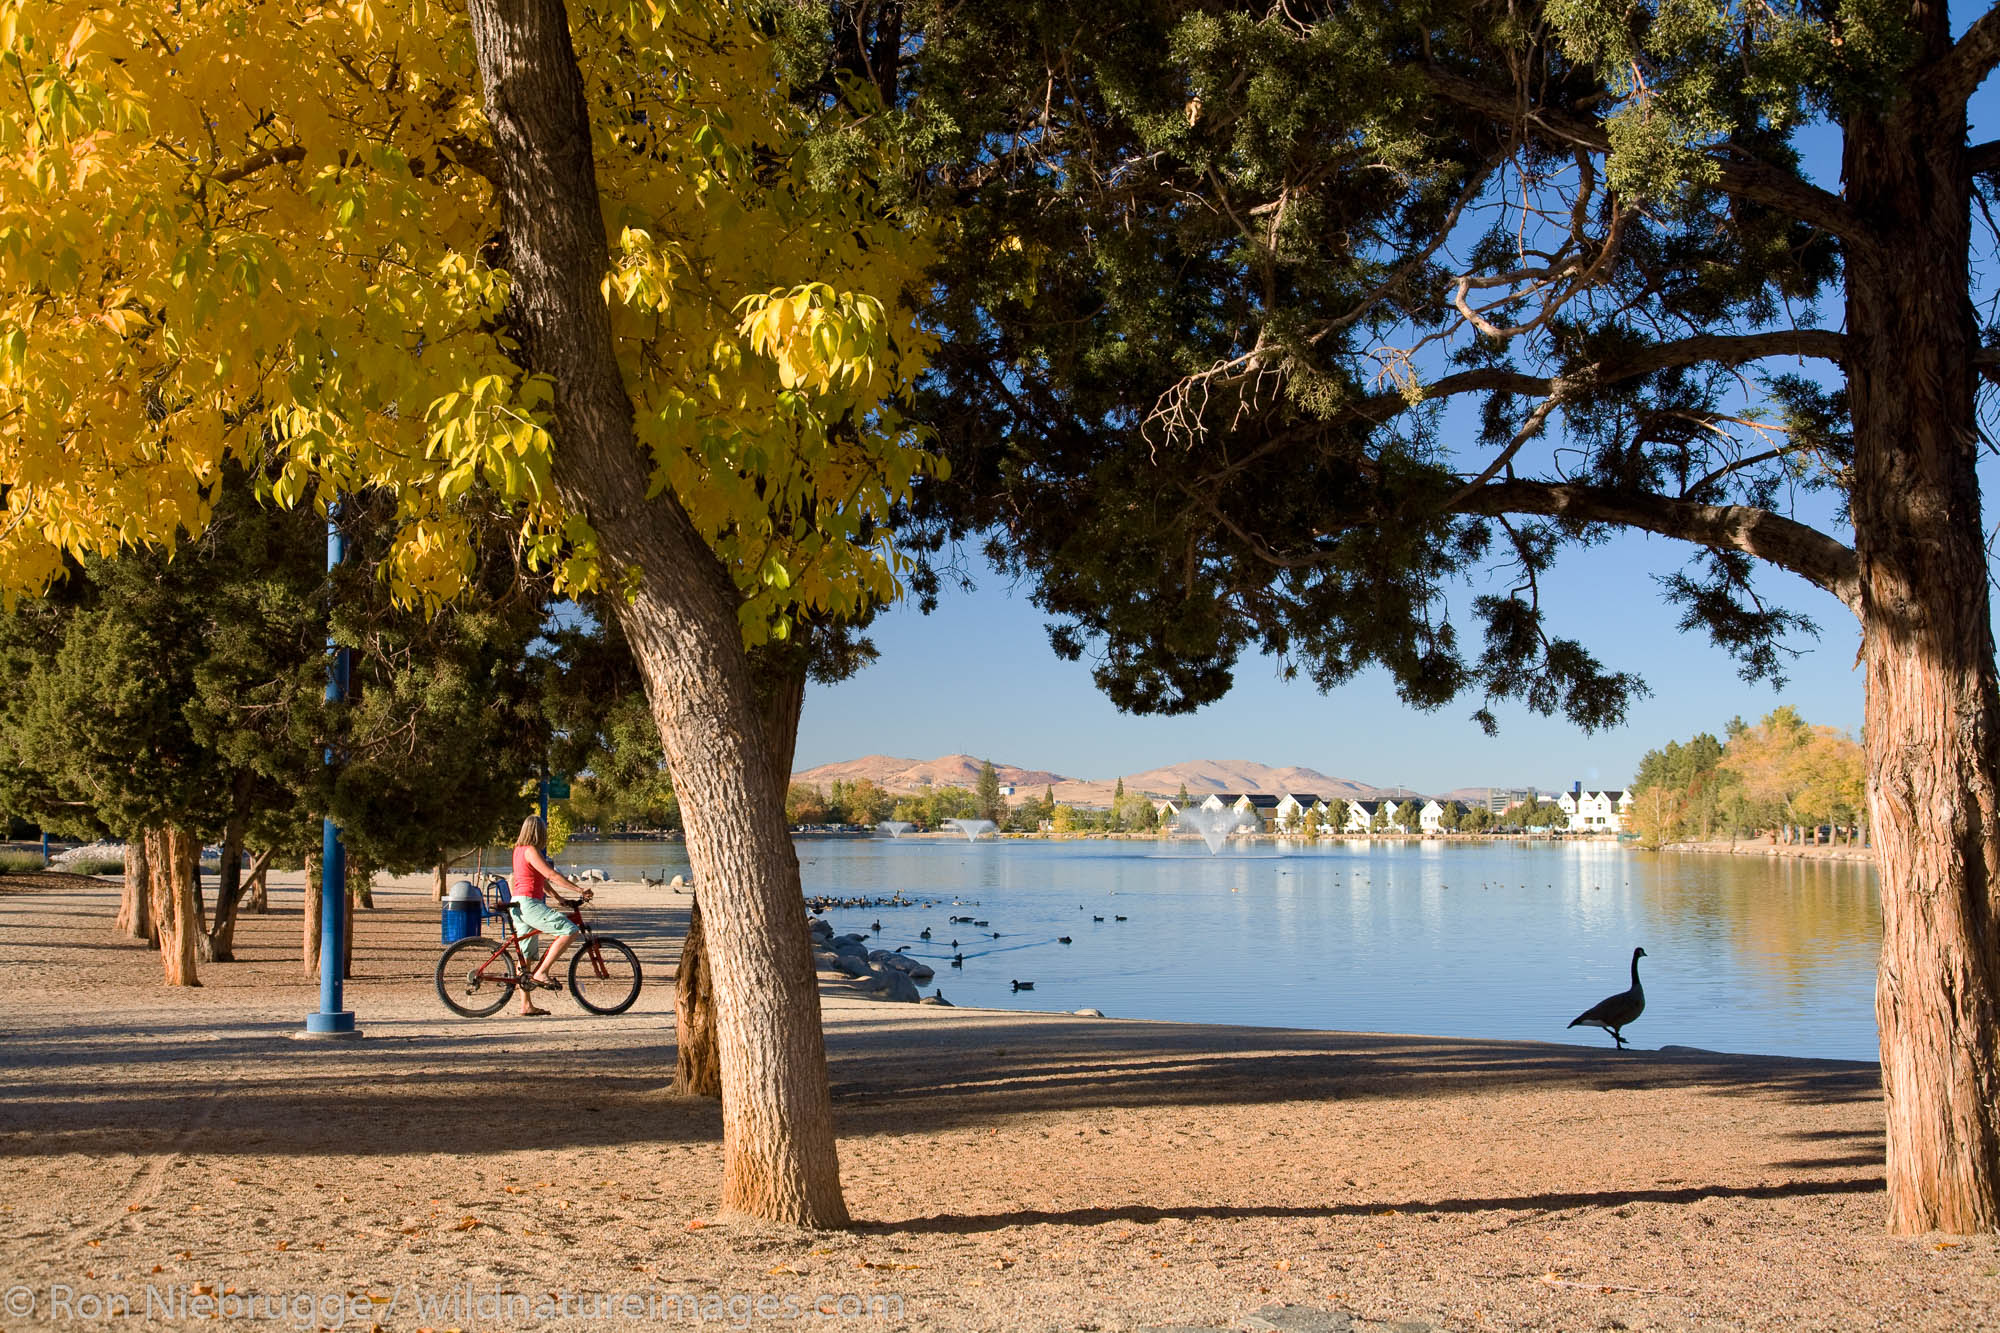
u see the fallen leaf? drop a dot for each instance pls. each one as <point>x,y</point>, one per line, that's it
<point>466,1223</point>
<point>138,1207</point>
<point>412,1231</point>
<point>696,1225</point>
<point>824,1249</point>
<point>204,1289</point>
<point>158,1269</point>
<point>514,1189</point>
<point>284,1245</point>
<point>1283,1265</point>
<point>1001,1263</point>
<point>785,1268</point>
<point>93,1244</point>
<point>1947,1244</point>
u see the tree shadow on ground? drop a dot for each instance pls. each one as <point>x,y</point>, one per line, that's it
<point>104,1087</point>
<point>969,1224</point>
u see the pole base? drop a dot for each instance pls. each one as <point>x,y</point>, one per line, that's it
<point>336,1024</point>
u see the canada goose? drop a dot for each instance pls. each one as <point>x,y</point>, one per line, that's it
<point>954,944</point>
<point>958,960</point>
<point>1614,1012</point>
<point>979,923</point>
<point>1097,918</point>
<point>1117,918</point>
<point>1024,985</point>
<point>877,927</point>
<point>1062,939</point>
<point>924,934</point>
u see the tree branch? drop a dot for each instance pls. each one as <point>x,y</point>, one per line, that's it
<point>1742,175</point>
<point>1729,349</point>
<point>1960,71</point>
<point>256,162</point>
<point>1773,538</point>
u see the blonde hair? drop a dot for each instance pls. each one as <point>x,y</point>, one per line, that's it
<point>533,833</point>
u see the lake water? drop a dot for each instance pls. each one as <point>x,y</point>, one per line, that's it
<point>1470,939</point>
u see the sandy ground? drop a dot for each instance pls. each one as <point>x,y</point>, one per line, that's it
<point>1008,1171</point>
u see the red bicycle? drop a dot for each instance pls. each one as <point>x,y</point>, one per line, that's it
<point>476,977</point>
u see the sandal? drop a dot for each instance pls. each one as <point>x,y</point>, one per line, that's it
<point>546,983</point>
<point>534,1013</point>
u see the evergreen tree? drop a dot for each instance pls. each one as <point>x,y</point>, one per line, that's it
<point>987,800</point>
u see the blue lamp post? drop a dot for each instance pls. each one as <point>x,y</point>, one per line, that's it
<point>331,1020</point>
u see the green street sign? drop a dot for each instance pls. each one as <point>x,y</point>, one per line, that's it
<point>558,788</point>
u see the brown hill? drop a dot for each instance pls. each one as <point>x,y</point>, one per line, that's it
<point>909,776</point>
<point>1201,776</point>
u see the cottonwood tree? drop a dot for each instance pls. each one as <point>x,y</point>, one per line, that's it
<point>578,257</point>
<point>1266,323</point>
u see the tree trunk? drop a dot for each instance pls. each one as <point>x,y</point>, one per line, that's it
<point>309,939</point>
<point>347,901</point>
<point>219,942</point>
<point>258,897</point>
<point>440,873</point>
<point>680,619</point>
<point>781,693</point>
<point>135,904</point>
<point>697,1056</point>
<point>1933,711</point>
<point>173,859</point>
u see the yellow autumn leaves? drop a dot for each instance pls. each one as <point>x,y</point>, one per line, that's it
<point>236,228</point>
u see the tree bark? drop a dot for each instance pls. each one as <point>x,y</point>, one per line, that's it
<point>173,859</point>
<point>440,873</point>
<point>258,897</point>
<point>135,904</point>
<point>680,619</point>
<point>1933,710</point>
<point>697,1052</point>
<point>218,942</point>
<point>309,939</point>
<point>781,695</point>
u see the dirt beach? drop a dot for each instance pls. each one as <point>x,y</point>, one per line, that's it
<point>1007,1171</point>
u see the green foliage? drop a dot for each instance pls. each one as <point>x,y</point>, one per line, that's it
<point>189,690</point>
<point>1202,324</point>
<point>19,863</point>
<point>986,794</point>
<point>95,865</point>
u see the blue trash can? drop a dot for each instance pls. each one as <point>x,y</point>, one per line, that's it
<point>462,911</point>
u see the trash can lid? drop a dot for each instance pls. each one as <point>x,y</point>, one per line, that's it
<point>463,891</point>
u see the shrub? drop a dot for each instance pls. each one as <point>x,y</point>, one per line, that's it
<point>20,863</point>
<point>95,865</point>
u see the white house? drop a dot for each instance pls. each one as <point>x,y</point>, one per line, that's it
<point>1431,818</point>
<point>1361,814</point>
<point>1595,811</point>
<point>1290,812</point>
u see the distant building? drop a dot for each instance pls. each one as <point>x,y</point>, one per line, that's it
<point>1292,808</point>
<point>1499,800</point>
<point>1432,817</point>
<point>1595,811</point>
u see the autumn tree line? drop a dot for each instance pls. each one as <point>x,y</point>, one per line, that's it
<point>1778,778</point>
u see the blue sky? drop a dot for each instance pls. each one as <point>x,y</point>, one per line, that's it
<point>978,677</point>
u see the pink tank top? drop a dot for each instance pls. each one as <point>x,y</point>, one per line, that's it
<point>528,881</point>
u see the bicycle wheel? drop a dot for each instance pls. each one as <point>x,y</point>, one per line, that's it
<point>604,975</point>
<point>475,977</point>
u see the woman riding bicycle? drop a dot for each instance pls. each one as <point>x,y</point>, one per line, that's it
<point>534,879</point>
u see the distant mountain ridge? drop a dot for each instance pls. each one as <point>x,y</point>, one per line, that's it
<point>1202,777</point>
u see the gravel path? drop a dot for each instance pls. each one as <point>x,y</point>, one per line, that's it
<point>1008,1171</point>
